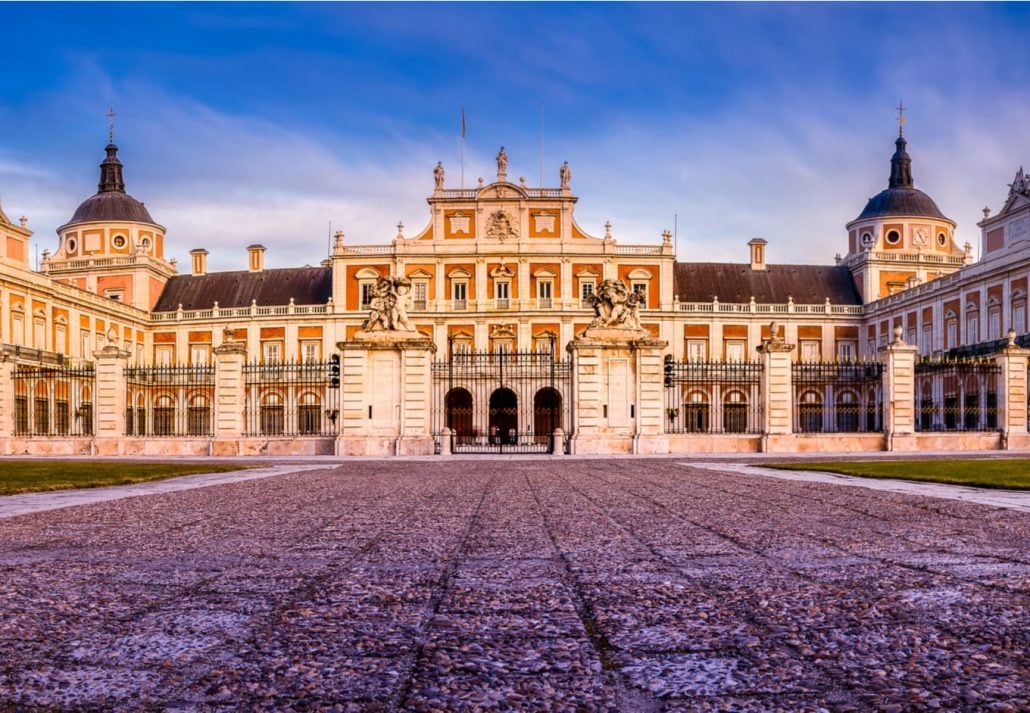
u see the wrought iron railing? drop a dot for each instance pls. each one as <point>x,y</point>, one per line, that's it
<point>170,400</point>
<point>712,396</point>
<point>838,397</point>
<point>291,398</point>
<point>957,394</point>
<point>53,401</point>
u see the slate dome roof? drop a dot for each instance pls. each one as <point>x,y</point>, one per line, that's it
<point>111,202</point>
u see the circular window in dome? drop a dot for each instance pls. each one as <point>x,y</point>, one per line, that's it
<point>893,237</point>
<point>71,245</point>
<point>942,239</point>
<point>118,241</point>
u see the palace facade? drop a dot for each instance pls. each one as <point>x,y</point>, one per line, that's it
<point>499,273</point>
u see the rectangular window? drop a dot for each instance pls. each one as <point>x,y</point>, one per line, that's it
<point>419,291</point>
<point>952,335</point>
<point>84,345</point>
<point>811,350</point>
<point>847,351</point>
<point>994,324</point>
<point>972,329</point>
<point>502,294</point>
<point>39,335</point>
<point>544,293</point>
<point>199,354</point>
<point>366,295</point>
<point>272,352</point>
<point>586,291</point>
<point>1019,318</point>
<point>164,355</point>
<point>735,350</point>
<point>641,289</point>
<point>459,295</point>
<point>697,349</point>
<point>311,351</point>
<point>926,345</point>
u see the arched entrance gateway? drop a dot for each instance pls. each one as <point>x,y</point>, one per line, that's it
<point>458,403</point>
<point>546,414</point>
<point>504,418</point>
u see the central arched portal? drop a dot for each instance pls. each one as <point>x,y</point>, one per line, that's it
<point>546,414</point>
<point>458,403</point>
<point>504,417</point>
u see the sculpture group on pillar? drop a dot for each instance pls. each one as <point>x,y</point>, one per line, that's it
<point>389,309</point>
<point>615,306</point>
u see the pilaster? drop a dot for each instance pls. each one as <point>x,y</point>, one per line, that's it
<point>1012,395</point>
<point>109,408</point>
<point>618,392</point>
<point>777,393</point>
<point>6,398</point>
<point>899,393</point>
<point>230,395</point>
<point>385,394</point>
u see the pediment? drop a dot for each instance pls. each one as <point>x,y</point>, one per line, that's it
<point>420,274</point>
<point>588,272</point>
<point>500,191</point>
<point>640,274</point>
<point>545,272</point>
<point>367,273</point>
<point>459,272</point>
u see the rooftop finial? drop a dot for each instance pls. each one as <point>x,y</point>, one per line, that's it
<point>901,118</point>
<point>110,124</point>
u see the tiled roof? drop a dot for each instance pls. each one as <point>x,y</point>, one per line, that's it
<point>736,282</point>
<point>900,201</point>
<point>306,285</point>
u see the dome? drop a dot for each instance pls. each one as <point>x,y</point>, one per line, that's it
<point>901,197</point>
<point>901,201</point>
<point>111,207</point>
<point>111,202</point>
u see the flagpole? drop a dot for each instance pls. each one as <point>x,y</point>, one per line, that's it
<point>463,146</point>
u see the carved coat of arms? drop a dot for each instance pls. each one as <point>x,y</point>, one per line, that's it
<point>501,226</point>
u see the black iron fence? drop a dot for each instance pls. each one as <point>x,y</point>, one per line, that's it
<point>957,394</point>
<point>291,398</point>
<point>712,396</point>
<point>53,401</point>
<point>838,397</point>
<point>169,400</point>
<point>509,402</point>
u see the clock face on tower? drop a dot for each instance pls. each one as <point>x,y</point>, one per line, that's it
<point>920,237</point>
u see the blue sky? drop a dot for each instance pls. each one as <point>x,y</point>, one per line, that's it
<point>261,123</point>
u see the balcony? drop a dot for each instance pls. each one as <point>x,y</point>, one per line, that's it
<point>502,303</point>
<point>459,305</point>
<point>544,303</point>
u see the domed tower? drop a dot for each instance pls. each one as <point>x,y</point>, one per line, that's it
<point>901,238</point>
<point>111,246</point>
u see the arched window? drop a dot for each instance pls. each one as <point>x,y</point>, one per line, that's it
<point>199,416</point>
<point>164,416</point>
<point>696,412</point>
<point>810,412</point>
<point>734,412</point>
<point>273,414</point>
<point>309,414</point>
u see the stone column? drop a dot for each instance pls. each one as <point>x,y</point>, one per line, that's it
<point>777,393</point>
<point>230,397</point>
<point>618,383</point>
<point>385,394</point>
<point>1012,395</point>
<point>899,393</point>
<point>109,399</point>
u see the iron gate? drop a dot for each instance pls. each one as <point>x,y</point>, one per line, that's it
<point>506,402</point>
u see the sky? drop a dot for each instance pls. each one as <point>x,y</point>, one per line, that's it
<point>244,123</point>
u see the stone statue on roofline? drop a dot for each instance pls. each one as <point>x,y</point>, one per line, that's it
<point>615,306</point>
<point>502,165</point>
<point>389,306</point>
<point>438,174</point>
<point>565,174</point>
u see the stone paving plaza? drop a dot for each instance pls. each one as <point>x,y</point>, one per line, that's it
<point>624,585</point>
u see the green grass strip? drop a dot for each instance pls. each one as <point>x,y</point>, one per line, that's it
<point>24,476</point>
<point>1008,473</point>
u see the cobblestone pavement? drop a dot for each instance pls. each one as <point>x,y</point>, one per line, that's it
<point>629,585</point>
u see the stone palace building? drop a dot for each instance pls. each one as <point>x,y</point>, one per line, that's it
<point>504,325</point>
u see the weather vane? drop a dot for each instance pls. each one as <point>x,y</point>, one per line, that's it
<point>901,118</point>
<point>110,124</point>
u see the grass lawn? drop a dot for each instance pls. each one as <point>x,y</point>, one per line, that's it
<point>1011,473</point>
<point>25,476</point>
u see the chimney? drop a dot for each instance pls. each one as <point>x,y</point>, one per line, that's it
<point>257,257</point>
<point>199,256</point>
<point>757,246</point>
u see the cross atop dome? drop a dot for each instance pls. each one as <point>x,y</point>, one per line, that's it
<point>901,118</point>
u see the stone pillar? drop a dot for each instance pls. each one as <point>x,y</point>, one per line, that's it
<point>385,394</point>
<point>777,393</point>
<point>899,394</point>
<point>230,397</point>
<point>1012,395</point>
<point>109,399</point>
<point>6,401</point>
<point>618,383</point>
